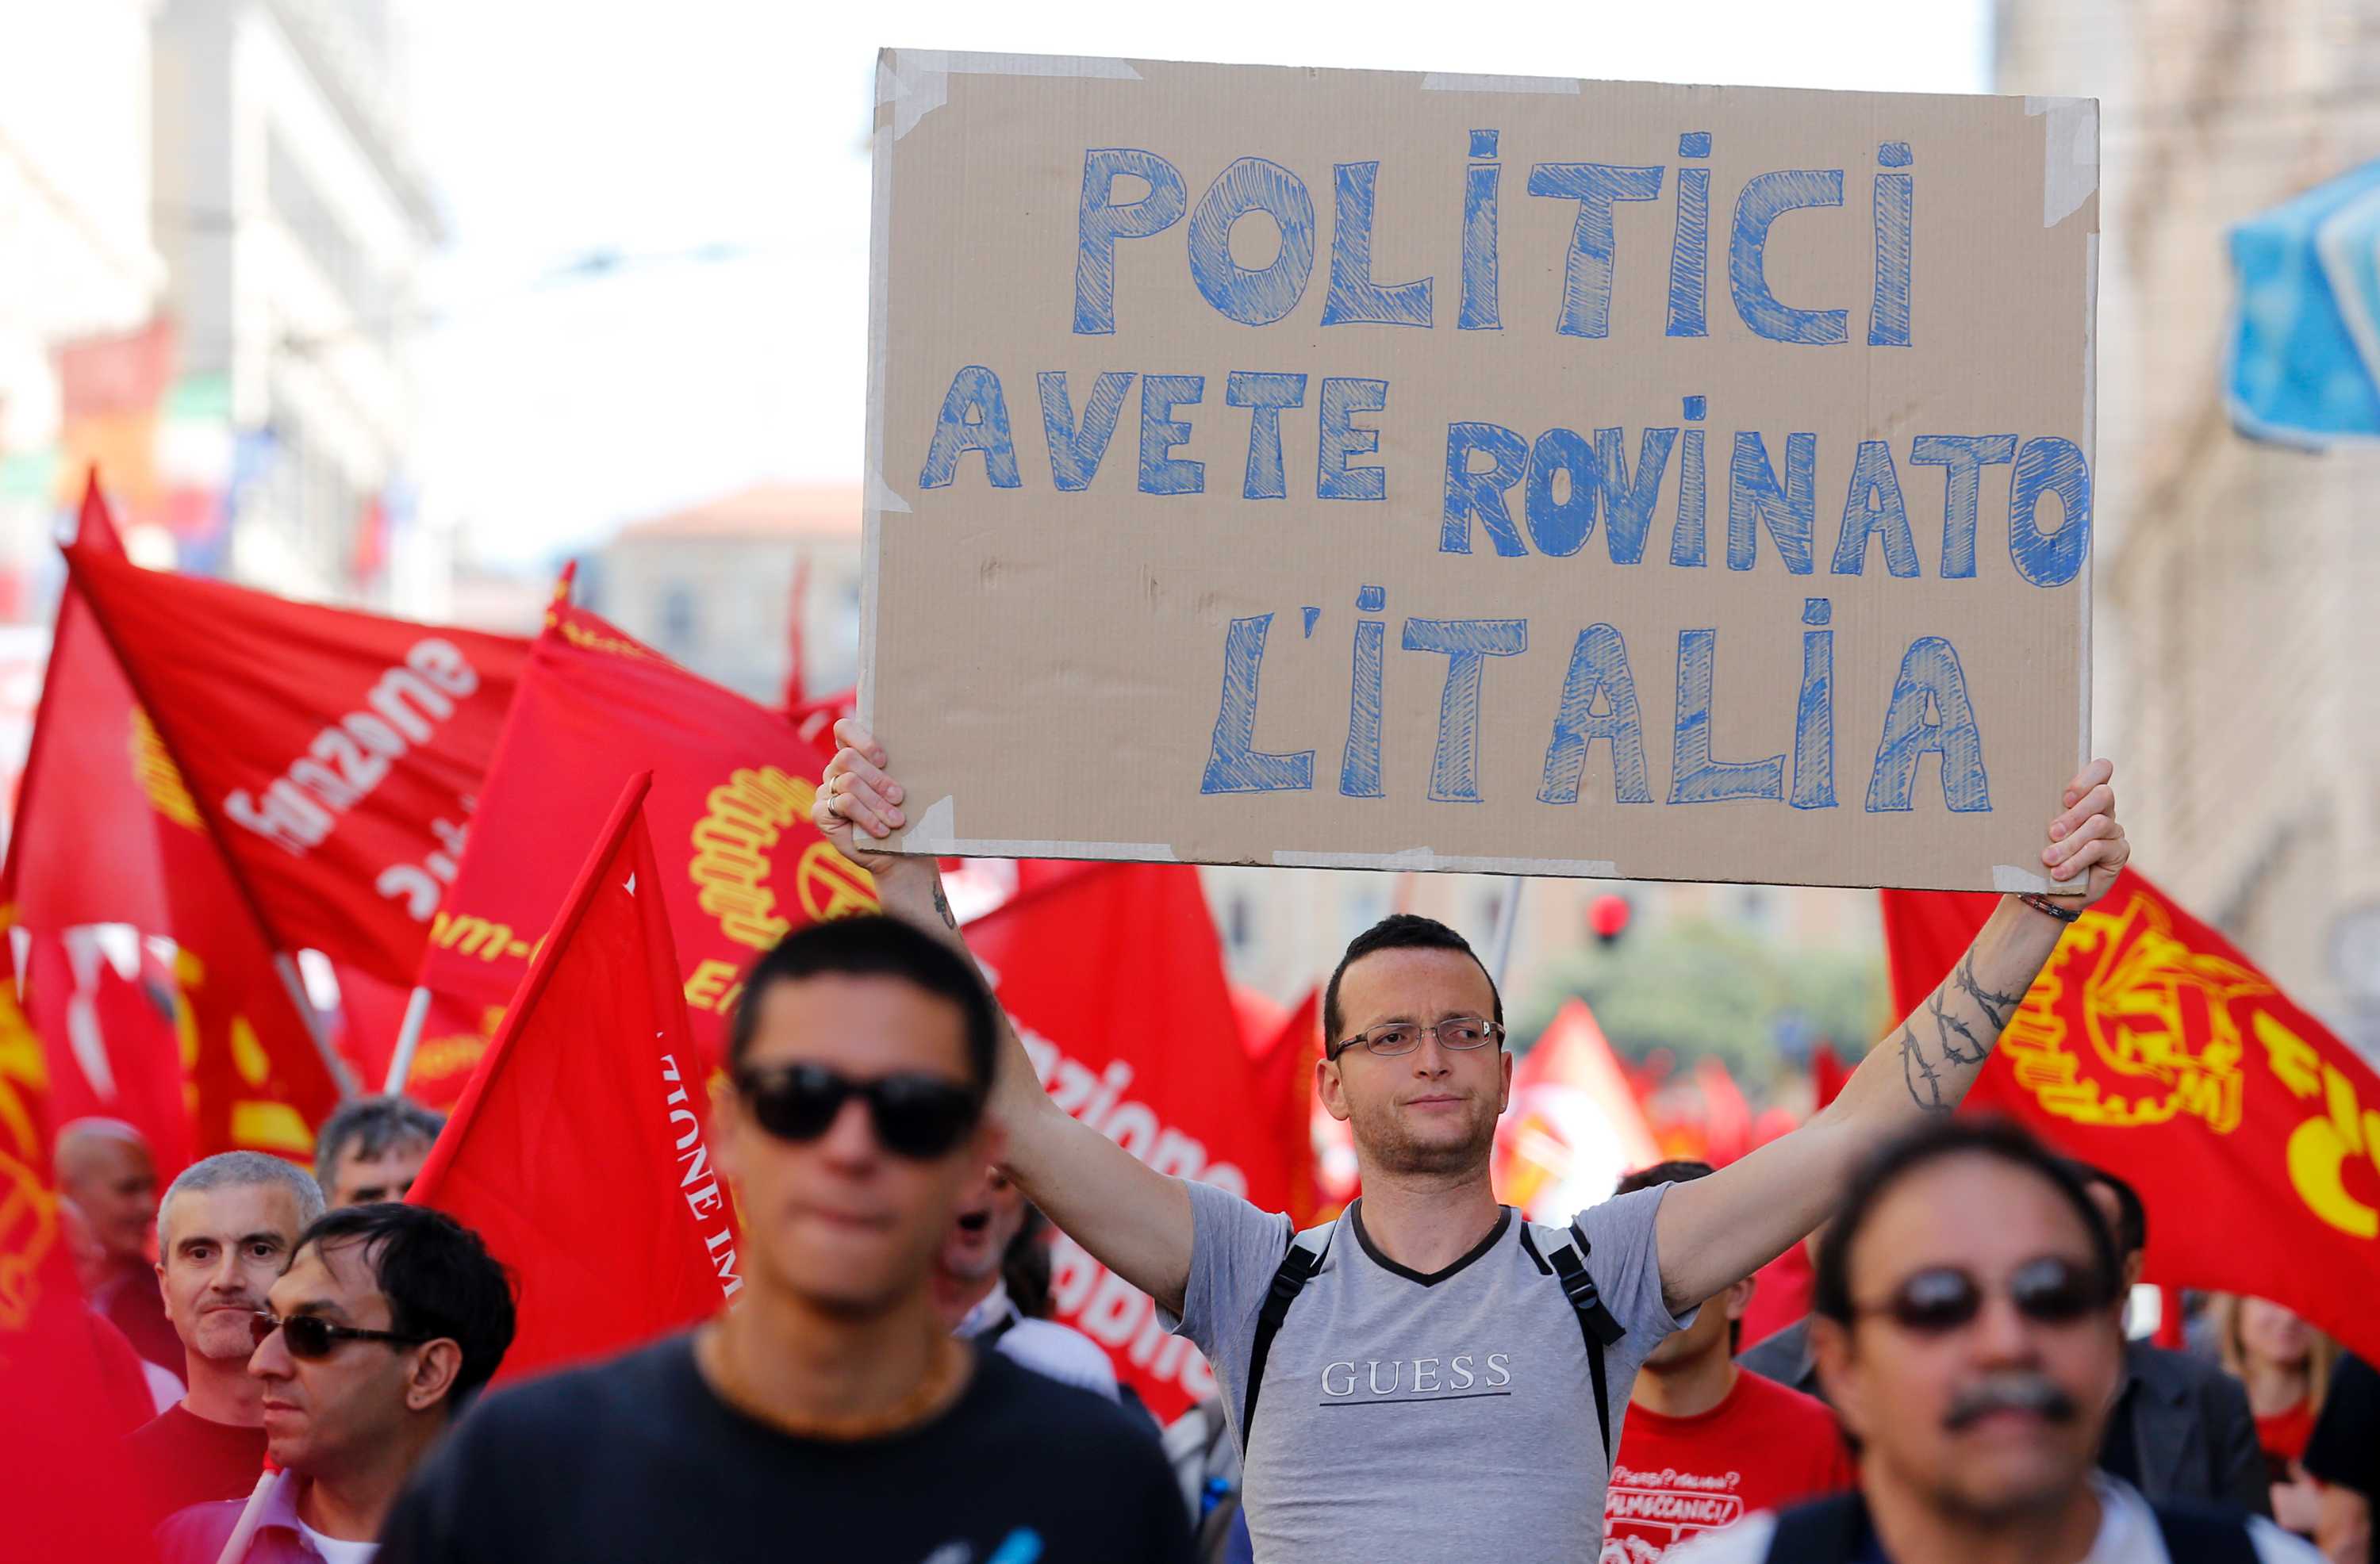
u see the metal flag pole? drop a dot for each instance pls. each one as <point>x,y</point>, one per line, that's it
<point>408,1038</point>
<point>341,1076</point>
<point>1508,920</point>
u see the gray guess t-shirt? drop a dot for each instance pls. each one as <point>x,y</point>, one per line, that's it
<point>1423,1418</point>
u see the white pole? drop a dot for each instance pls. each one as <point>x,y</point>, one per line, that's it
<point>235,1548</point>
<point>408,1038</point>
<point>341,1076</point>
<point>1507,919</point>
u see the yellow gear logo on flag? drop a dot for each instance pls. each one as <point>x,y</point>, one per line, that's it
<point>745,816</point>
<point>2130,1026</point>
<point>29,1208</point>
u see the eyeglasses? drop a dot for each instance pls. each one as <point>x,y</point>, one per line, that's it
<point>1940,1299</point>
<point>1393,1038</point>
<point>920,1117</point>
<point>311,1336</point>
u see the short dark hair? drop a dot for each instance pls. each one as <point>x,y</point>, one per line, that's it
<point>371,1124</point>
<point>1830,1294</point>
<point>873,945</point>
<point>2132,1217</point>
<point>1399,931</point>
<point>1678,1170</point>
<point>438,1278</point>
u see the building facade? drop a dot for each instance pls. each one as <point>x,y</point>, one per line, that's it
<point>2235,649</point>
<point>718,587</point>
<point>293,225</point>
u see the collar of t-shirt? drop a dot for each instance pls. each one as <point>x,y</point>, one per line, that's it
<point>2128,1529</point>
<point>336,1550</point>
<point>989,1311</point>
<point>1687,1423</point>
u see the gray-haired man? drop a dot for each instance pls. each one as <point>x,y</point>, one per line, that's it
<point>224,1232</point>
<point>372,1148</point>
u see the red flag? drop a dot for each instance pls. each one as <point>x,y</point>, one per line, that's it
<point>1114,978</point>
<point>729,812</point>
<point>335,754</point>
<point>2150,1047</point>
<point>113,1049</point>
<point>61,1375</point>
<point>1829,1074</point>
<point>1573,1126</point>
<point>107,832</point>
<point>579,1152</point>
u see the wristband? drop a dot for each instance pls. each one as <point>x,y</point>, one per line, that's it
<point>2043,904</point>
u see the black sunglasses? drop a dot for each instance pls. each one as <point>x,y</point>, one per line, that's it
<point>311,1336</point>
<point>2049,1290</point>
<point>916,1115</point>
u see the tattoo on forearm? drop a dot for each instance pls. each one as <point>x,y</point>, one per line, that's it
<point>1924,1084</point>
<point>1996,1007</point>
<point>1952,1032</point>
<point>942,906</point>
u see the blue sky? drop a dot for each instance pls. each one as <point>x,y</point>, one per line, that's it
<point>721,155</point>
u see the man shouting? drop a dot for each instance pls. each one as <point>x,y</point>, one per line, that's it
<point>1430,1377</point>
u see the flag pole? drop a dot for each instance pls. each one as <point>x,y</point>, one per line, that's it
<point>1508,920</point>
<point>408,1038</point>
<point>341,1076</point>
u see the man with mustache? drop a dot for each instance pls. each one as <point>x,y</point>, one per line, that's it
<point>1968,1327</point>
<point>1522,1342</point>
<point>224,1230</point>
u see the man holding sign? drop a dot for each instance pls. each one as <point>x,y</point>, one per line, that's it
<point>1517,1338</point>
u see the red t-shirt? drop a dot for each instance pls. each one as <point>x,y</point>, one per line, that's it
<point>1764,1447</point>
<point>181,1459</point>
<point>2284,1436</point>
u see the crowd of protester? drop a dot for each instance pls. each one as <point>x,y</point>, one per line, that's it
<point>303,1352</point>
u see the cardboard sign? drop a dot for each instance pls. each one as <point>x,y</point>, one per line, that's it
<point>1531,475</point>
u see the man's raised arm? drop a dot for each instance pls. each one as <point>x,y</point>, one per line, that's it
<point>1714,1231</point>
<point>1133,1219</point>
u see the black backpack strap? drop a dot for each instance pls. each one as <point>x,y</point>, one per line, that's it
<point>1595,1322</point>
<point>1831,1530</point>
<point>2204,1536</point>
<point>1297,1268</point>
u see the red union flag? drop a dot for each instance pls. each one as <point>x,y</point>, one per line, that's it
<point>334,754</point>
<point>107,832</point>
<point>729,811</point>
<point>1574,1126</point>
<point>1114,979</point>
<point>2150,1047</point>
<point>579,1151</point>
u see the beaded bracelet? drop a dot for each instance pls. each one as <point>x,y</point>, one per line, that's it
<point>2043,904</point>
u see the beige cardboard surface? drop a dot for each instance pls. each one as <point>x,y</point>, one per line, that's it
<point>1078,648</point>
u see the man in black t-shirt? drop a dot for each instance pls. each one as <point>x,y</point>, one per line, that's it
<point>2344,1455</point>
<point>829,1415</point>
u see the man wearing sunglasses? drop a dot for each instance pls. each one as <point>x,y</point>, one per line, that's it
<point>830,1414</point>
<point>1967,1321</point>
<point>1517,1339</point>
<point>388,1318</point>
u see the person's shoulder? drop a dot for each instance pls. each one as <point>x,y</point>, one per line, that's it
<point>155,1435</point>
<point>1069,1423</point>
<point>590,1399</point>
<point>1746,1542</point>
<point>1063,1352</point>
<point>198,1532</point>
<point>1212,1206</point>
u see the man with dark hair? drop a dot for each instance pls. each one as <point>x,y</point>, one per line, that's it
<point>2181,1429</point>
<point>1525,1339</point>
<point>225,1230</point>
<point>1709,1443</point>
<point>830,1413</point>
<point>372,1148</point>
<point>1964,1316</point>
<point>386,1321</point>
